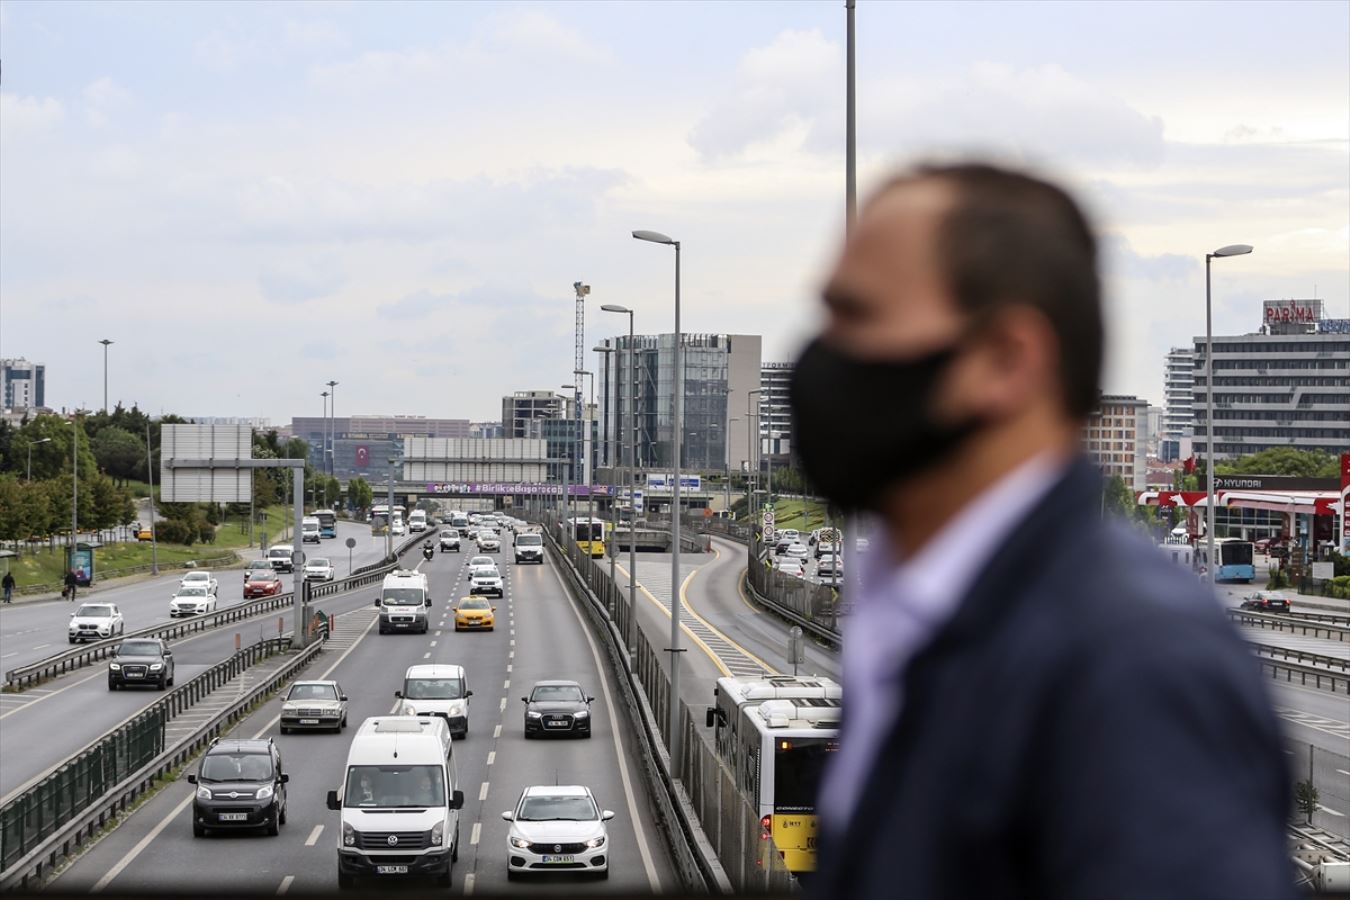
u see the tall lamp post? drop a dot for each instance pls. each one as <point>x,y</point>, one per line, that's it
<point>45,440</point>
<point>323,463</point>
<point>1230,250</point>
<point>105,342</point>
<point>657,237</point>
<point>631,472</point>
<point>567,469</point>
<point>331,449</point>
<point>389,522</point>
<point>751,433</point>
<point>727,478</point>
<point>587,454</point>
<point>613,480</point>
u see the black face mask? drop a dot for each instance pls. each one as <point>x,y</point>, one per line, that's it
<point>861,426</point>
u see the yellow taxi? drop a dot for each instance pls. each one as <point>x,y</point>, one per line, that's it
<point>475,614</point>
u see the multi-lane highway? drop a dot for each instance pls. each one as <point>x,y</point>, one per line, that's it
<point>540,635</point>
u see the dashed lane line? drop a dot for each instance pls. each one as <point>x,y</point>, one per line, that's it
<point>314,836</point>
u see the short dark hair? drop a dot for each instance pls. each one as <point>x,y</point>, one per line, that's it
<point>1013,239</point>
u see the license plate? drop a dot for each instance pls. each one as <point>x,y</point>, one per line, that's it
<point>135,674</point>
<point>556,724</point>
<point>309,721</point>
<point>234,817</point>
<point>560,859</point>
<point>391,870</point>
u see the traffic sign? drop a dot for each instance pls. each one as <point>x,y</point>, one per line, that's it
<point>351,542</point>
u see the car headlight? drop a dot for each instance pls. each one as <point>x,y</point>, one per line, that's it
<point>203,793</point>
<point>348,835</point>
<point>116,667</point>
<point>581,714</point>
<point>534,715</point>
<point>409,709</point>
<point>596,842</point>
<point>519,843</point>
<point>437,834</point>
<point>264,793</point>
<point>155,667</point>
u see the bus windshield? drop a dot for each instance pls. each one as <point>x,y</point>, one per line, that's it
<point>797,767</point>
<point>1237,553</point>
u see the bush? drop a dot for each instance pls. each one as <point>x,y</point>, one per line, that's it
<point>206,533</point>
<point>175,531</point>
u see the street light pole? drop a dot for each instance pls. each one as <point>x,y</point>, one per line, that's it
<point>610,549</point>
<point>727,478</point>
<point>631,471</point>
<point>586,453</point>
<point>656,237</point>
<point>75,482</point>
<point>323,463</point>
<point>105,342</point>
<point>150,471</point>
<point>567,468</point>
<point>1210,562</point>
<point>332,429</point>
<point>389,513</point>
<point>45,440</point>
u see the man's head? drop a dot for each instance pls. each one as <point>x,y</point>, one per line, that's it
<point>964,313</point>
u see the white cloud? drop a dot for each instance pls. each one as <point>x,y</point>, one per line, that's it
<point>315,34</point>
<point>534,31</point>
<point>101,98</point>
<point>298,280</point>
<point>22,116</point>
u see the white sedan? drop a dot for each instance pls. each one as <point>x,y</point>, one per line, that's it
<point>200,579</point>
<point>482,565</point>
<point>319,569</point>
<point>797,551</point>
<point>191,601</point>
<point>557,828</point>
<point>95,622</point>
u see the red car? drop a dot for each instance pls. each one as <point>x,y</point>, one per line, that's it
<point>261,583</point>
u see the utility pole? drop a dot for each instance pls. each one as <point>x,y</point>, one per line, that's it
<point>332,429</point>
<point>150,471</point>
<point>105,342</point>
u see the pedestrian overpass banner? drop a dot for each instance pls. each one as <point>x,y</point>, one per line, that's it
<point>516,489</point>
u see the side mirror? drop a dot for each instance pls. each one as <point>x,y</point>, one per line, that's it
<point>285,778</point>
<point>457,800</point>
<point>607,815</point>
<point>168,653</point>
<point>710,717</point>
<point>398,694</point>
<point>428,602</point>
<point>72,615</point>
<point>508,815</point>
<point>494,609</point>
<point>468,694</point>
<point>192,779</point>
<point>590,699</point>
<point>343,698</point>
<point>333,800</point>
<point>377,601</point>
<point>524,699</point>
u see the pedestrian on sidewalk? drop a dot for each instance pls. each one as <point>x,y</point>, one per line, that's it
<point>8,584</point>
<point>71,583</point>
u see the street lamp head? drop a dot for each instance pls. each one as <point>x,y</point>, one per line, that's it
<point>654,237</point>
<point>581,372</point>
<point>1233,250</point>
<point>581,289</point>
<point>616,308</point>
<point>105,342</point>
<point>46,440</point>
<point>568,387</point>
<point>600,349</point>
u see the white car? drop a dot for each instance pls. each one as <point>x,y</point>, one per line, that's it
<point>482,565</point>
<point>191,601</point>
<point>829,567</point>
<point>486,583</point>
<point>200,579</point>
<point>488,542</point>
<point>557,828</point>
<point>789,565</point>
<point>397,527</point>
<point>797,551</point>
<point>319,569</point>
<point>95,622</point>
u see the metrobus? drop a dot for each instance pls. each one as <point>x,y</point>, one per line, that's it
<point>775,734</point>
<point>1235,559</point>
<point>589,534</point>
<point>379,517</point>
<point>327,523</point>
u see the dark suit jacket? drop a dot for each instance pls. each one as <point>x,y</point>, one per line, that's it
<point>1087,725</point>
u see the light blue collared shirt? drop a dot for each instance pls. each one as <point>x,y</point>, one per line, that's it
<point>902,605</point>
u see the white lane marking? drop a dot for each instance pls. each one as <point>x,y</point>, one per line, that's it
<point>8,655</point>
<point>41,697</point>
<point>639,829</point>
<point>427,655</point>
<point>438,634</point>
<point>508,667</point>
<point>141,845</point>
<point>503,709</point>
<point>468,884</point>
<point>497,732</point>
<point>473,836</point>
<point>483,791</point>
<point>1328,809</point>
<point>507,685</point>
<point>285,885</point>
<point>41,646</point>
<point>314,836</point>
<point>511,655</point>
<point>433,643</point>
<point>1343,772</point>
<point>492,757</point>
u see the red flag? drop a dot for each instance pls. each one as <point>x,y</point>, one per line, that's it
<point>1189,466</point>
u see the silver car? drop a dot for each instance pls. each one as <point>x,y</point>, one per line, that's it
<point>314,705</point>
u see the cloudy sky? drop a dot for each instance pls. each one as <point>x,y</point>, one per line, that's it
<point>252,199</point>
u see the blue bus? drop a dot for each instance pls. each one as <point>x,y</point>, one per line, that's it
<point>327,523</point>
<point>1236,559</point>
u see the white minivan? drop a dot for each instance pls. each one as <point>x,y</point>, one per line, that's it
<point>403,602</point>
<point>417,521</point>
<point>399,802</point>
<point>437,690</point>
<point>309,530</point>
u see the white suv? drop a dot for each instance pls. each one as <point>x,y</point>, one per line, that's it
<point>95,622</point>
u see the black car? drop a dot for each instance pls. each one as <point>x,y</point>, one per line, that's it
<point>1266,601</point>
<point>557,707</point>
<point>141,661</point>
<point>240,784</point>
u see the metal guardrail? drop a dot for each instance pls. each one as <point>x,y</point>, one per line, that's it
<point>1327,618</point>
<point>30,820</point>
<point>82,655</point>
<point>1290,622</point>
<point>1339,663</point>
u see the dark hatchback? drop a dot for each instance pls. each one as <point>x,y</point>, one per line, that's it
<point>139,662</point>
<point>240,784</point>
<point>1267,601</point>
<point>557,707</point>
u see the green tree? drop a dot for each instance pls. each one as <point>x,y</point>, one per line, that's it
<point>1282,461</point>
<point>1118,499</point>
<point>332,492</point>
<point>107,502</point>
<point>12,525</point>
<point>53,457</point>
<point>119,453</point>
<point>359,494</point>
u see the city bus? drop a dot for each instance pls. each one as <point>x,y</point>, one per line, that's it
<point>379,517</point>
<point>1236,559</point>
<point>775,734</point>
<point>327,523</point>
<point>589,534</point>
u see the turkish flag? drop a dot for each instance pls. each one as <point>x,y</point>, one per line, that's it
<point>1189,466</point>
<point>362,456</point>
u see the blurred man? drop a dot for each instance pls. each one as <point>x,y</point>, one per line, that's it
<point>1037,704</point>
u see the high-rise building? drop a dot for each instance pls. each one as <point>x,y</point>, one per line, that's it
<point>485,430</point>
<point>1288,385</point>
<point>1178,403</point>
<point>720,370</point>
<point>23,385</point>
<point>522,406</point>
<point>1116,437</point>
<point>775,414</point>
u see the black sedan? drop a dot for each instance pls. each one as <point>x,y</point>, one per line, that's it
<point>141,661</point>
<point>1266,601</point>
<point>557,707</point>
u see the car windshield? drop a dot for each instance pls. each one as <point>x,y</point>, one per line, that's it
<point>263,574</point>
<point>90,611</point>
<point>553,692</point>
<point>318,564</point>
<point>279,553</point>
<point>312,692</point>
<point>402,596</point>
<point>474,603</point>
<point>553,809</point>
<point>236,767</point>
<point>395,787</point>
<point>481,561</point>
<point>433,688</point>
<point>197,576</point>
<point>192,592</point>
<point>260,565</point>
<point>529,540</point>
<point>486,574</point>
<point>138,648</point>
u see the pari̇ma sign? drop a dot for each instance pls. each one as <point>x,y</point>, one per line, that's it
<point>1295,312</point>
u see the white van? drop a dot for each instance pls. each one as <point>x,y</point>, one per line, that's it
<point>437,691</point>
<point>281,557</point>
<point>403,602</point>
<point>399,802</point>
<point>309,530</point>
<point>417,520</point>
